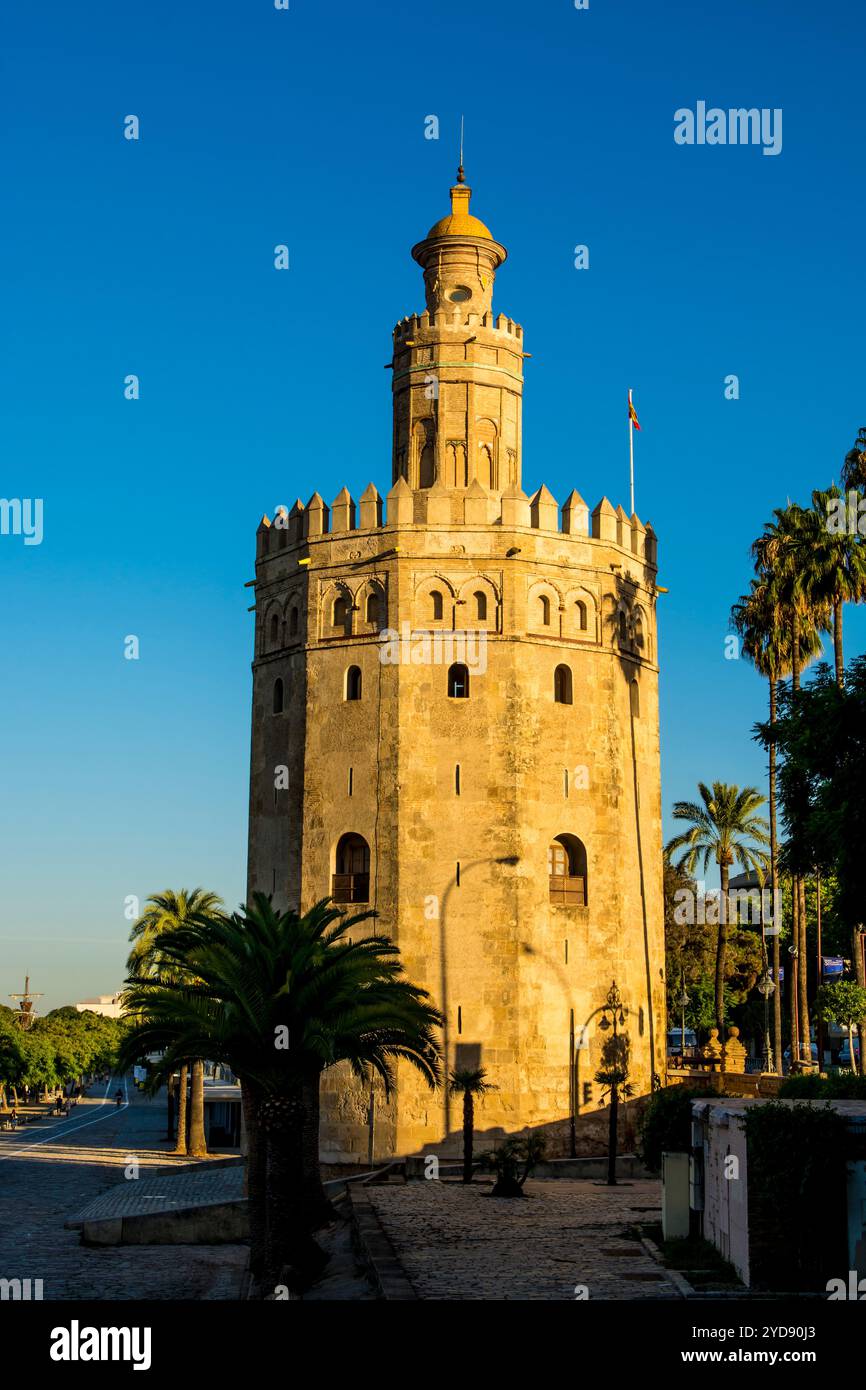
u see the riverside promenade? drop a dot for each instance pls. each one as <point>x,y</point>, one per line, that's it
<point>51,1170</point>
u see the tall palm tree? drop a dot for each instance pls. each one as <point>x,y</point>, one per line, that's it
<point>281,997</point>
<point>469,1083</point>
<point>725,827</point>
<point>854,467</point>
<point>163,913</point>
<point>837,566</point>
<point>786,551</point>
<point>764,625</point>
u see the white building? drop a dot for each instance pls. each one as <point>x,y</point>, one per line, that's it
<point>106,1004</point>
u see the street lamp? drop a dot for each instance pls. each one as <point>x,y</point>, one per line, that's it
<point>767,988</point>
<point>683,1001</point>
<point>613,1006</point>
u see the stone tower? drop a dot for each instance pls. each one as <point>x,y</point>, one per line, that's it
<point>455,722</point>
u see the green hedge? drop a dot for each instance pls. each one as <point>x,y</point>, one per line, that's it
<point>811,1086</point>
<point>665,1125</point>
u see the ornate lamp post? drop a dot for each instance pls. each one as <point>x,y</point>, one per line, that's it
<point>767,988</point>
<point>683,1001</point>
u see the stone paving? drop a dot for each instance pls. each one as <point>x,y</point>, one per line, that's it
<point>170,1192</point>
<point>457,1242</point>
<point>52,1170</point>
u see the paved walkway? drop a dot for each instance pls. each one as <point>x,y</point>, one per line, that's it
<point>458,1242</point>
<point>52,1170</point>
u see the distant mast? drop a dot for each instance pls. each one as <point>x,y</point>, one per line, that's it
<point>26,1014</point>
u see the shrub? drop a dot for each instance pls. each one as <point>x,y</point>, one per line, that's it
<point>665,1125</point>
<point>843,1086</point>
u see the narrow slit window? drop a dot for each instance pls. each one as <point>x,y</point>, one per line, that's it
<point>457,780</point>
<point>351,780</point>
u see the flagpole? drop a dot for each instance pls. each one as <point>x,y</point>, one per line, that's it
<point>630,453</point>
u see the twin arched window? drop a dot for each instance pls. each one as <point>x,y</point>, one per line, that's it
<point>623,626</point>
<point>544,604</point>
<point>562,686</point>
<point>581,615</point>
<point>566,867</point>
<point>340,613</point>
<point>353,683</point>
<point>480,606</point>
<point>278,696</point>
<point>372,612</point>
<point>275,631</point>
<point>437,606</point>
<point>293,622</point>
<point>351,880</point>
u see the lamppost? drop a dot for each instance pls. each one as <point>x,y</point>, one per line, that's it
<point>767,988</point>
<point>683,1001</point>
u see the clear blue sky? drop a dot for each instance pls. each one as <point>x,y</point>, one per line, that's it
<point>155,257</point>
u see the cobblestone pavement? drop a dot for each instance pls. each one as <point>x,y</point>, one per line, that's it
<point>169,1191</point>
<point>53,1169</point>
<point>458,1242</point>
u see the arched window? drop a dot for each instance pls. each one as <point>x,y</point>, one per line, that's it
<point>351,879</point>
<point>566,867</point>
<point>278,696</point>
<point>634,699</point>
<point>353,683</point>
<point>293,622</point>
<point>623,626</point>
<point>581,615</point>
<point>436,600</point>
<point>562,685</point>
<point>480,606</point>
<point>373,608</point>
<point>458,682</point>
<point>544,603</point>
<point>341,612</point>
<point>275,631</point>
<point>638,631</point>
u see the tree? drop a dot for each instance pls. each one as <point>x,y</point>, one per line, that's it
<point>821,736</point>
<point>786,552</point>
<point>843,1002</point>
<point>163,913</point>
<point>469,1083</point>
<point>837,565</point>
<point>854,467</point>
<point>765,626</point>
<point>726,828</point>
<point>506,1162</point>
<point>612,1076</point>
<point>281,997</point>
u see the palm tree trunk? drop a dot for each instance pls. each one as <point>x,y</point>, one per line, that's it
<point>792,983</point>
<point>468,1127</point>
<point>837,642</point>
<point>777,994</point>
<point>795,650</point>
<point>180,1146</point>
<point>860,976</point>
<point>289,1242</point>
<point>317,1207</point>
<point>169,1108</point>
<point>197,1141</point>
<point>256,1179</point>
<point>805,1035</point>
<point>721,951</point>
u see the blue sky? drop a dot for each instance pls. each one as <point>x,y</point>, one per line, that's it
<point>155,257</point>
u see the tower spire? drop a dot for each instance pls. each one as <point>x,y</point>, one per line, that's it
<point>461,177</point>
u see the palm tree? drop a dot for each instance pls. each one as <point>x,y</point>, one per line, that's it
<point>469,1083</point>
<point>163,913</point>
<point>854,467</point>
<point>281,997</point>
<point>787,553</point>
<point>764,625</point>
<point>725,827</point>
<point>837,566</point>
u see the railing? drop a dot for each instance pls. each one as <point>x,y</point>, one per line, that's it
<point>350,888</point>
<point>567,891</point>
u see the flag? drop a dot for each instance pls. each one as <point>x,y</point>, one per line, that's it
<point>632,415</point>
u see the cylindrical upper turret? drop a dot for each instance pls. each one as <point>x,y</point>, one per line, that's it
<point>458,372</point>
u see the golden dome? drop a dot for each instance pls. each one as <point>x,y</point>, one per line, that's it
<point>460,221</point>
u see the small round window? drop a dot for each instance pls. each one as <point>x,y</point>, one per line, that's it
<point>460,295</point>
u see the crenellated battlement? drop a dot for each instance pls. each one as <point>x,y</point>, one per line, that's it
<point>474,507</point>
<point>458,319</point>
